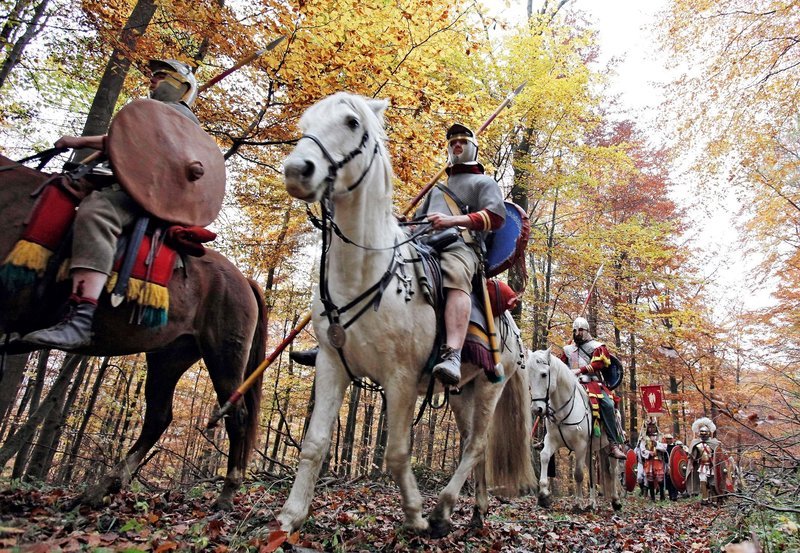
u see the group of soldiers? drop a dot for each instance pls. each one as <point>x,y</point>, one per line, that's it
<point>666,464</point>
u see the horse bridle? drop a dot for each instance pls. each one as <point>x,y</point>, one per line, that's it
<point>336,329</point>
<point>550,413</point>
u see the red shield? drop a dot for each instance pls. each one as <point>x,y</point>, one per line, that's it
<point>678,460</point>
<point>723,481</point>
<point>167,163</point>
<point>630,470</point>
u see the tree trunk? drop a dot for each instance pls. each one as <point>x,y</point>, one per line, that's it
<point>350,431</point>
<point>380,443</point>
<point>119,63</point>
<point>72,454</point>
<point>13,57</point>
<point>52,429</point>
<point>26,432</point>
<point>10,383</point>
<point>33,394</point>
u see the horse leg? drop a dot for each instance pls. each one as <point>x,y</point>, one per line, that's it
<point>400,402</point>
<point>164,369</point>
<point>550,447</point>
<point>226,360</point>
<point>611,482</point>
<point>473,411</point>
<point>331,383</point>
<point>580,474</point>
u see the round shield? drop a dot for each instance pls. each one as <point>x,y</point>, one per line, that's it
<point>722,475</point>
<point>167,163</point>
<point>630,470</point>
<point>678,461</point>
<point>505,245</point>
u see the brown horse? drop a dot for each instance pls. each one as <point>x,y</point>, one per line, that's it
<point>215,314</point>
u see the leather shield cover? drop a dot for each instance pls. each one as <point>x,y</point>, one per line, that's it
<point>167,163</point>
<point>630,470</point>
<point>678,459</point>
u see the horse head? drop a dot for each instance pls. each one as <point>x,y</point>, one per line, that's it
<point>342,136</point>
<point>540,379</point>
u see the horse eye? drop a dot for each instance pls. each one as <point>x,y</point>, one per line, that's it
<point>353,123</point>
<point>543,375</point>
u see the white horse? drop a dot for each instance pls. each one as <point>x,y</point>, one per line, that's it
<point>557,394</point>
<point>341,161</point>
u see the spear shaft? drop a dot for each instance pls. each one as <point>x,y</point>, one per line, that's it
<point>437,176</point>
<point>238,65</point>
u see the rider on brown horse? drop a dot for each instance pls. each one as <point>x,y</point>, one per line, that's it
<point>103,215</point>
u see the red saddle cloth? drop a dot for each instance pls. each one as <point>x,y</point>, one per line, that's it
<point>47,226</point>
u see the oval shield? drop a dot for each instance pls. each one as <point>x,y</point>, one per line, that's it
<point>613,373</point>
<point>678,461</point>
<point>505,245</point>
<point>630,470</point>
<point>167,163</point>
<point>722,476</point>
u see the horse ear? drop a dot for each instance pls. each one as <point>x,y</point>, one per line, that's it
<point>378,107</point>
<point>549,350</point>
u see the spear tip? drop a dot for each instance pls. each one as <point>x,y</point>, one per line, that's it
<point>519,88</point>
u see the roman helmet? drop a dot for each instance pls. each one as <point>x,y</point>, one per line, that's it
<point>580,323</point>
<point>179,85</point>
<point>704,428</point>
<point>470,152</point>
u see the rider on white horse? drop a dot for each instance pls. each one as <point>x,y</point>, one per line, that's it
<point>587,357</point>
<point>472,201</point>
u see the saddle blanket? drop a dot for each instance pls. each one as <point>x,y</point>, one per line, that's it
<point>44,243</point>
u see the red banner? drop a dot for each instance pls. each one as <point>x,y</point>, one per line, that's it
<point>653,399</point>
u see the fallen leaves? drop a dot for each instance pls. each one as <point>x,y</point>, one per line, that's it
<point>345,517</point>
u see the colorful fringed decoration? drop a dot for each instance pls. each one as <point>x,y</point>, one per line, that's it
<point>147,286</point>
<point>477,350</point>
<point>48,223</point>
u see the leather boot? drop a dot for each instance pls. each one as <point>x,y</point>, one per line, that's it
<point>307,357</point>
<point>73,332</point>
<point>616,452</point>
<point>448,370</point>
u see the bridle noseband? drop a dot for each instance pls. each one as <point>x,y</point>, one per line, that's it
<point>335,166</point>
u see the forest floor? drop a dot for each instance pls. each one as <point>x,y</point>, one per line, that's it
<point>353,516</point>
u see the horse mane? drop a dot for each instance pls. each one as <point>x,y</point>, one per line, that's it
<point>562,370</point>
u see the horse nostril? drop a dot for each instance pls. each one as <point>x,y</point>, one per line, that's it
<point>308,170</point>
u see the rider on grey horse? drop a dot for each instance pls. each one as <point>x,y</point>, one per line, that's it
<point>472,201</point>
<point>587,357</point>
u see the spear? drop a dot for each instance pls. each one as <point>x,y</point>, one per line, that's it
<point>236,395</point>
<point>591,289</point>
<point>239,64</point>
<point>425,189</point>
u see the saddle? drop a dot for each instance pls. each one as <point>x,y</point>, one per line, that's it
<point>144,262</point>
<point>502,297</point>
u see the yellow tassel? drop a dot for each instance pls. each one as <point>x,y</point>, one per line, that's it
<point>63,271</point>
<point>29,255</point>
<point>143,293</point>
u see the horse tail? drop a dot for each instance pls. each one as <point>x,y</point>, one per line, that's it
<point>509,463</point>
<point>258,351</point>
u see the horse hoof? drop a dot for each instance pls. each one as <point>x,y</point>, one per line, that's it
<point>477,518</point>
<point>223,504</point>
<point>617,505</point>
<point>545,501</point>
<point>438,528</point>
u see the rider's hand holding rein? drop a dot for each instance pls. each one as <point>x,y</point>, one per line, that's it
<point>440,221</point>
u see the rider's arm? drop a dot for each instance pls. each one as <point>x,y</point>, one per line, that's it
<point>94,142</point>
<point>482,220</point>
<point>600,359</point>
